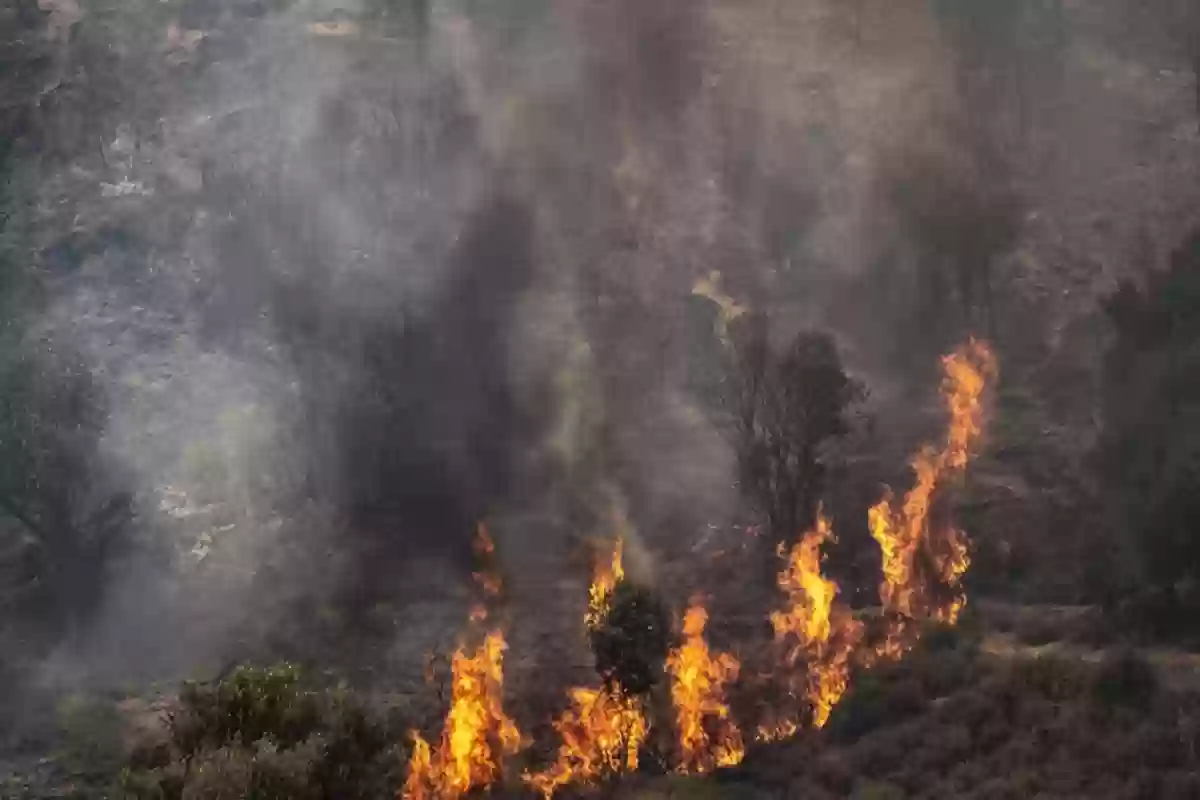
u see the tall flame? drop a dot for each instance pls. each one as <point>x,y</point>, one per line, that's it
<point>477,733</point>
<point>823,634</point>
<point>607,575</point>
<point>698,691</point>
<point>602,733</point>
<point>910,547</point>
<point>603,730</point>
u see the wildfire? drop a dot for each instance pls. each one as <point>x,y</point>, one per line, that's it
<point>698,691</point>
<point>910,546</point>
<point>825,634</point>
<point>477,733</point>
<point>487,578</point>
<point>607,576</point>
<point>602,733</point>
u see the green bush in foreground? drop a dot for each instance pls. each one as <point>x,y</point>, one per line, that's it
<point>261,733</point>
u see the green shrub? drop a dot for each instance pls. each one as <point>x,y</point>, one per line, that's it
<point>251,704</point>
<point>879,697</point>
<point>877,790</point>
<point>631,642</point>
<point>262,734</point>
<point>1124,678</point>
<point>1054,678</point>
<point>91,736</point>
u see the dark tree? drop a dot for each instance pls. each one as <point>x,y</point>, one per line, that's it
<point>631,642</point>
<point>1149,452</point>
<point>61,516</point>
<point>787,407</point>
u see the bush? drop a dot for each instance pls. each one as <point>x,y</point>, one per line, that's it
<point>1124,678</point>
<point>631,643</point>
<point>877,790</point>
<point>877,698</point>
<point>1054,678</point>
<point>261,733</point>
<point>253,703</point>
<point>91,737</point>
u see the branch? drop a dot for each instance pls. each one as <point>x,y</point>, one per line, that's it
<point>8,507</point>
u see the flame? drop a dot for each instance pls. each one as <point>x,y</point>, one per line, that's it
<point>487,577</point>
<point>602,732</point>
<point>698,691</point>
<point>825,634</point>
<point>604,583</point>
<point>477,733</point>
<point>907,542</point>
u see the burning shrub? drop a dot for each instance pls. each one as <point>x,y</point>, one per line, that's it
<point>630,643</point>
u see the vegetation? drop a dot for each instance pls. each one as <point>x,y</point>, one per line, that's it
<point>1150,446</point>
<point>105,96</point>
<point>265,733</point>
<point>788,407</point>
<point>631,642</point>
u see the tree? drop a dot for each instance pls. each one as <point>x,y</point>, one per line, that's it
<point>1149,452</point>
<point>59,514</point>
<point>786,408</point>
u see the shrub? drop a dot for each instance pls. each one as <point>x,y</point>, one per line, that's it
<point>631,642</point>
<point>1052,677</point>
<point>877,790</point>
<point>877,698</point>
<point>261,733</point>
<point>1124,678</point>
<point>91,736</point>
<point>251,704</point>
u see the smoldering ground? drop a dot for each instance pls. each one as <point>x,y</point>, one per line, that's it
<point>375,284</point>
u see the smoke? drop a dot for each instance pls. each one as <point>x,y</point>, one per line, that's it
<point>384,279</point>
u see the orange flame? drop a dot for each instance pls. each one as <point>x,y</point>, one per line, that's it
<point>487,578</point>
<point>477,733</point>
<point>825,634</point>
<point>907,542</point>
<point>602,733</point>
<point>604,583</point>
<point>698,691</point>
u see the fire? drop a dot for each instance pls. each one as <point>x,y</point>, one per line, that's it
<point>477,733</point>
<point>909,546</point>
<point>602,733</point>
<point>487,578</point>
<point>825,634</point>
<point>603,730</point>
<point>604,583</point>
<point>698,691</point>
